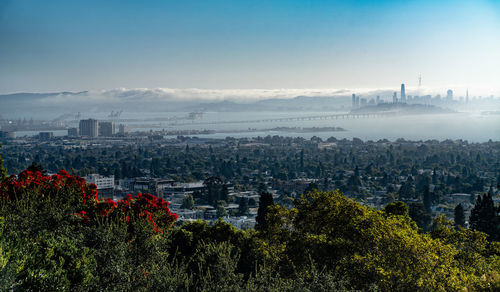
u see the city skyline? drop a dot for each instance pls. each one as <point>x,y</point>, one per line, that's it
<point>94,46</point>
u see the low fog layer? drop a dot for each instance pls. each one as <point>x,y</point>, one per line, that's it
<point>45,105</point>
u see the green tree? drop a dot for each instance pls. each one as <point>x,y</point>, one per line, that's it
<point>311,187</point>
<point>3,170</point>
<point>459,215</point>
<point>34,167</point>
<point>368,248</point>
<point>187,202</point>
<point>427,199</point>
<point>252,202</point>
<point>397,208</point>
<point>220,209</point>
<point>484,217</point>
<point>420,216</point>
<point>216,190</point>
<point>265,200</point>
<point>406,191</point>
<point>243,207</point>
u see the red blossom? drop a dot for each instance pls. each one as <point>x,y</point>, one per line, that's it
<point>154,209</point>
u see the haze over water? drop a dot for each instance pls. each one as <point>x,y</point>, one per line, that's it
<point>473,127</point>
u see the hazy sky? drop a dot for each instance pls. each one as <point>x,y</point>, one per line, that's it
<point>93,45</point>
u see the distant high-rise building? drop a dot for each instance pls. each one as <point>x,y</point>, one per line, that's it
<point>7,134</point>
<point>378,99</point>
<point>353,100</point>
<point>73,132</point>
<point>403,93</point>
<point>89,128</point>
<point>357,101</point>
<point>467,96</point>
<point>449,95</point>
<point>106,129</point>
<point>122,129</point>
<point>395,97</point>
<point>46,135</point>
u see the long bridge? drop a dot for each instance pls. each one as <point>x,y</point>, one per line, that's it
<point>293,119</point>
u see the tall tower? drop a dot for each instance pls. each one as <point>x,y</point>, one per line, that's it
<point>403,93</point>
<point>89,128</point>
<point>353,101</point>
<point>467,96</point>
<point>449,95</point>
<point>419,80</point>
<point>395,97</point>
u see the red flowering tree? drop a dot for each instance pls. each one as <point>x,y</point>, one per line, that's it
<point>83,199</point>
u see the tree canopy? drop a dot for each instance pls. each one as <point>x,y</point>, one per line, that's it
<point>55,234</point>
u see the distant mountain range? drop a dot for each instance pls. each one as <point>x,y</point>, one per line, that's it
<point>56,103</point>
<point>90,103</point>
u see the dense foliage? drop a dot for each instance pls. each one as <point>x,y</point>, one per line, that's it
<point>457,166</point>
<point>56,235</point>
<point>485,217</point>
<point>3,171</point>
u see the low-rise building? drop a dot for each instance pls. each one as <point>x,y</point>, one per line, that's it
<point>105,184</point>
<point>46,135</point>
<point>152,185</point>
<point>73,132</point>
<point>242,222</point>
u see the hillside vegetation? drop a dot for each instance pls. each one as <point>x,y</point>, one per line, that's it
<point>57,235</point>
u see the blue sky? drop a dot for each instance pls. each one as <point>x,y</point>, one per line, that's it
<point>93,45</point>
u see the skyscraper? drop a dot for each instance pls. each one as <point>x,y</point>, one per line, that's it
<point>403,93</point>
<point>449,95</point>
<point>122,129</point>
<point>106,129</point>
<point>395,97</point>
<point>467,96</point>
<point>89,128</point>
<point>353,100</point>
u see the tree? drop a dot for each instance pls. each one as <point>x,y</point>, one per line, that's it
<point>34,167</point>
<point>251,202</point>
<point>302,160</point>
<point>406,191</point>
<point>265,200</point>
<point>420,216</point>
<point>311,187</point>
<point>397,208</point>
<point>187,202</point>
<point>220,209</point>
<point>3,170</point>
<point>459,215</point>
<point>427,199</point>
<point>243,207</point>
<point>216,190</point>
<point>262,188</point>
<point>366,246</point>
<point>484,217</point>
